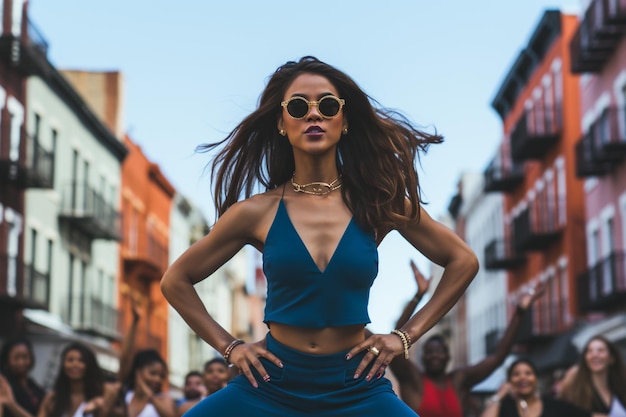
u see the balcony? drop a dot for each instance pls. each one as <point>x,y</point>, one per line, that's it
<point>37,287</point>
<point>603,286</point>
<point>87,210</point>
<point>500,254</point>
<point>150,262</point>
<point>34,168</point>
<point>533,134</point>
<point>22,285</point>
<point>536,227</point>
<point>90,314</point>
<point>502,175</point>
<point>598,35</point>
<point>603,147</point>
<point>28,53</point>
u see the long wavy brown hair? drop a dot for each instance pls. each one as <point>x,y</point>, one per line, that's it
<point>581,390</point>
<point>376,159</point>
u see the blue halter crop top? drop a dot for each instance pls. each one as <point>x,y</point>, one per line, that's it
<point>300,294</point>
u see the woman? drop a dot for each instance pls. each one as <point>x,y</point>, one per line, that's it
<point>20,395</point>
<point>519,398</point>
<point>598,382</point>
<point>79,386</point>
<point>340,175</point>
<point>144,396</point>
<point>142,375</point>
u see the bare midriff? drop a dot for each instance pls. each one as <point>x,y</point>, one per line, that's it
<point>324,341</point>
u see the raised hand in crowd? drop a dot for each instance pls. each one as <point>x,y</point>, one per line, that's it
<point>433,391</point>
<point>143,375</point>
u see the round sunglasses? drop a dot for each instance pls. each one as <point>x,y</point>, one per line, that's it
<point>328,106</point>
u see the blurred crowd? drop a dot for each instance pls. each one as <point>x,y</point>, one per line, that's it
<point>594,386</point>
<point>83,389</point>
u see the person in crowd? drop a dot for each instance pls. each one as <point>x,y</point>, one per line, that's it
<point>519,397</point>
<point>216,375</point>
<point>598,382</point>
<point>435,391</point>
<point>142,375</point>
<point>340,174</point>
<point>20,395</point>
<point>79,389</point>
<point>193,391</point>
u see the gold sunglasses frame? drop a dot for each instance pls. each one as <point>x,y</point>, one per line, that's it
<point>315,103</point>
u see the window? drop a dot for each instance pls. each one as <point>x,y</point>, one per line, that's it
<point>548,104</point>
<point>70,293</point>
<point>14,221</point>
<point>564,294</point>
<point>53,147</point>
<point>46,292</point>
<point>553,290</point>
<point>608,270</point>
<point>29,285</point>
<point>594,250</point>
<point>74,197</point>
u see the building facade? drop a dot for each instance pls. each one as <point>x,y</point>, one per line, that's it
<point>538,102</point>
<point>144,253</point>
<point>72,229</point>
<point>24,164</point>
<point>598,50</point>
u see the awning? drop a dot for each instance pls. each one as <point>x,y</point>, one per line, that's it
<point>492,383</point>
<point>613,328</point>
<point>44,322</point>
<point>557,352</point>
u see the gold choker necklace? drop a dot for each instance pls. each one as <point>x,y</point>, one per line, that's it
<point>317,187</point>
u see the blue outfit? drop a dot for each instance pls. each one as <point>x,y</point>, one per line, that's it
<point>296,288</point>
<point>300,294</point>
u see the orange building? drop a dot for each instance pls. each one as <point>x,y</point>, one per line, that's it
<point>539,102</point>
<point>146,203</point>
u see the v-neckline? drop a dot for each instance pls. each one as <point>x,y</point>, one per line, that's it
<point>306,248</point>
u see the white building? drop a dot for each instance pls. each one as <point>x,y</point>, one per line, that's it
<point>72,229</point>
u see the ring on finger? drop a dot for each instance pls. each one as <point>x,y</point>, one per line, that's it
<point>374,350</point>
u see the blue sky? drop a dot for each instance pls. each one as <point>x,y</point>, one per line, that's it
<point>194,69</point>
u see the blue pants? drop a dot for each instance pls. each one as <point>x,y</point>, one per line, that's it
<point>307,385</point>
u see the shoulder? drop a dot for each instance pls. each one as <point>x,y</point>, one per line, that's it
<point>246,214</point>
<point>253,207</point>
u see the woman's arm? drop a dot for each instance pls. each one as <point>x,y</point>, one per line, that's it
<point>442,246</point>
<point>7,399</point>
<point>407,373</point>
<point>128,344</point>
<point>164,405</point>
<point>46,405</point>
<point>493,404</point>
<point>237,227</point>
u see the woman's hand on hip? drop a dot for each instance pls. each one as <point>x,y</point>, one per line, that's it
<point>246,356</point>
<point>381,349</point>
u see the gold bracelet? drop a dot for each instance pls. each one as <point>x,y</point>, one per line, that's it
<point>406,340</point>
<point>230,348</point>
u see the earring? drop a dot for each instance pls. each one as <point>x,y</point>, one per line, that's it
<point>345,131</point>
<point>282,132</point>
